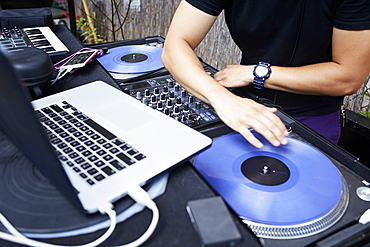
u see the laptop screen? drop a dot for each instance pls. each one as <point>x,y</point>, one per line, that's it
<point>20,124</point>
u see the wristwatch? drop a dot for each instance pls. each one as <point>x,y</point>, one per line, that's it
<point>261,72</point>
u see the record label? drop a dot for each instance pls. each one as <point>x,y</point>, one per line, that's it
<point>132,59</point>
<point>287,185</point>
<point>265,170</point>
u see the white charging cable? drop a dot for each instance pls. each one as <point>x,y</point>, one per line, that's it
<point>142,197</point>
<point>62,72</point>
<point>17,237</point>
<point>136,193</point>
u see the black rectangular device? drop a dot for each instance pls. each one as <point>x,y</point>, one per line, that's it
<point>213,222</point>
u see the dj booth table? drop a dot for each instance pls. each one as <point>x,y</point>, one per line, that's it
<point>184,184</point>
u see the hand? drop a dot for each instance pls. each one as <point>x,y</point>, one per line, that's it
<point>235,76</point>
<point>241,114</point>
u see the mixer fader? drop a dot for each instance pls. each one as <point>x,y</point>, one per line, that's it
<point>165,94</point>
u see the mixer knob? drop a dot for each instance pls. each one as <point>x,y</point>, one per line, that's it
<point>172,94</point>
<point>160,106</point>
<point>185,109</point>
<point>178,101</point>
<point>138,95</point>
<point>156,91</point>
<point>169,103</point>
<point>177,88</point>
<point>191,99</point>
<point>162,97</point>
<point>147,93</point>
<point>170,84</point>
<point>153,99</point>
<point>165,89</point>
<point>145,101</point>
<point>167,111</point>
<point>176,111</point>
<point>197,105</point>
<point>184,93</point>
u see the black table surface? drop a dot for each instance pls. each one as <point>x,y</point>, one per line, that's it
<point>184,184</point>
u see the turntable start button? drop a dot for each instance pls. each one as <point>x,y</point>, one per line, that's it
<point>363,193</point>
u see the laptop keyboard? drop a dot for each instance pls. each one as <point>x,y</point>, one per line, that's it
<point>89,149</point>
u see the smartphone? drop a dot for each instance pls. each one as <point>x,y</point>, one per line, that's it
<point>79,60</point>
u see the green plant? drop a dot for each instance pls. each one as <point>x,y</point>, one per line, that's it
<point>87,31</point>
<point>90,33</point>
<point>365,110</point>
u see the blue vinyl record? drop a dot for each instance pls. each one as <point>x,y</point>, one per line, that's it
<point>287,185</point>
<point>132,59</point>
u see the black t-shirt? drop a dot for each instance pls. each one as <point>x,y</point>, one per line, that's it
<point>269,30</point>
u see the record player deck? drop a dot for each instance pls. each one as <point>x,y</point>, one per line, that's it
<point>293,195</point>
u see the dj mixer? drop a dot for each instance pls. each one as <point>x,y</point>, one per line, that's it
<point>165,94</point>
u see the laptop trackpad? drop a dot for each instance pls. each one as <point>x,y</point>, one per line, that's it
<point>125,115</point>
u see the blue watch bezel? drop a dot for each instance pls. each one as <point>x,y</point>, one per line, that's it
<point>259,81</point>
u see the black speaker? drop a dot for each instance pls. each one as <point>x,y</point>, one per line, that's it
<point>355,137</point>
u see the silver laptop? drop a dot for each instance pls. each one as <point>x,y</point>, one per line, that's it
<point>105,140</point>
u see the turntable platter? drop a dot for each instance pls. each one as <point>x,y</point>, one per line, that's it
<point>280,192</point>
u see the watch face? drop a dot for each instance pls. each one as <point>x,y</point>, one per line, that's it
<point>261,71</point>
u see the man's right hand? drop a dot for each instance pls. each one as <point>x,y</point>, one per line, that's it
<point>242,114</point>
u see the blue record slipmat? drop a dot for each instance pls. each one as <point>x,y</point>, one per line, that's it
<point>132,59</point>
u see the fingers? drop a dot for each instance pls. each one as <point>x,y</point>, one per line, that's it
<point>219,77</point>
<point>245,114</point>
<point>272,131</point>
<point>274,136</point>
<point>234,76</point>
<point>270,126</point>
<point>251,138</point>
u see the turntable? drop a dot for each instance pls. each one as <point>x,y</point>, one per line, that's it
<point>132,60</point>
<point>292,195</point>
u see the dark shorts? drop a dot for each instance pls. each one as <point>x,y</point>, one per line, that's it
<point>326,125</point>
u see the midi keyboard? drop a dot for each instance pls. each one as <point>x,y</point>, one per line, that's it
<point>42,38</point>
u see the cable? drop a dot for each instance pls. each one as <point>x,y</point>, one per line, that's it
<point>142,197</point>
<point>136,193</point>
<point>61,73</point>
<point>299,32</point>
<point>19,238</point>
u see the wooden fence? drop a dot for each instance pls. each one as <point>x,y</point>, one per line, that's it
<point>153,17</point>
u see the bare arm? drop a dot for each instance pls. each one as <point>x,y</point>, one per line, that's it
<point>343,76</point>
<point>188,28</point>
